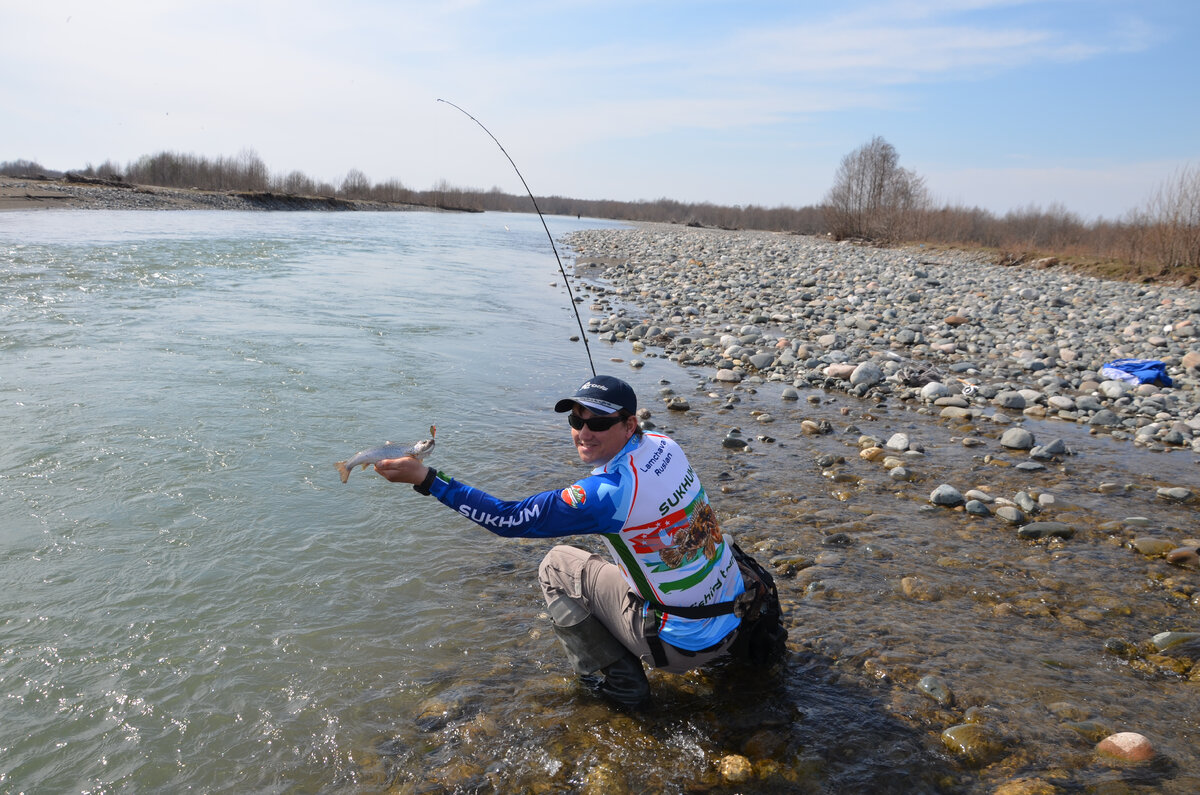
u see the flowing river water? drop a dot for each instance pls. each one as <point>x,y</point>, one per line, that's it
<point>193,600</point>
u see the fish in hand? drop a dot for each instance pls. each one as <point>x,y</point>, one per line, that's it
<point>383,452</point>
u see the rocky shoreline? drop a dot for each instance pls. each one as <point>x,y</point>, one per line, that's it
<point>948,332</point>
<point>1026,607</point>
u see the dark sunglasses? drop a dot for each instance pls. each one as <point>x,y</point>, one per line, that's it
<point>594,424</point>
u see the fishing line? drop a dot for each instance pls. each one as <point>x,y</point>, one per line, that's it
<point>554,248</point>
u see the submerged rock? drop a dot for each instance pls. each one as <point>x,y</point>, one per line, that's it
<point>934,687</point>
<point>975,743</point>
<point>1126,746</point>
<point>1046,530</point>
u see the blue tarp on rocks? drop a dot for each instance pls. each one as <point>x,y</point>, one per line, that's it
<point>1137,371</point>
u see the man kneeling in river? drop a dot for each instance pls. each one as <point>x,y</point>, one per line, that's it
<point>672,597</point>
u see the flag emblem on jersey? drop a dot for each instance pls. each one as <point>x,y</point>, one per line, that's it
<point>574,495</point>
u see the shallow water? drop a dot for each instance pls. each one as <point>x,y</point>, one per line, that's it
<point>193,599</point>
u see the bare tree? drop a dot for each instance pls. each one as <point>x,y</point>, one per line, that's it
<point>872,197</point>
<point>356,185</point>
<point>1172,221</point>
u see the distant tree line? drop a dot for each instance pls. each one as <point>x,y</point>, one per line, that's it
<point>872,200</point>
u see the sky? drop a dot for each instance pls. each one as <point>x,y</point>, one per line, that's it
<point>1084,105</point>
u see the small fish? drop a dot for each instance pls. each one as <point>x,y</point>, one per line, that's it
<point>385,451</point>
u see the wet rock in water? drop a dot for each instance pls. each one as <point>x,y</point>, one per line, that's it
<point>1126,747</point>
<point>1119,647</point>
<point>977,508</point>
<point>1166,640</point>
<point>871,453</point>
<point>1046,530</point>
<point>946,495</point>
<point>1011,514</point>
<point>1025,502</point>
<point>1184,556</point>
<point>1017,439</point>
<point>898,442</point>
<point>604,779</point>
<point>1105,418</point>
<point>975,743</point>
<point>1049,452</point>
<point>1177,494</point>
<point>678,403</point>
<point>1090,730</point>
<point>735,769</point>
<point>936,688</point>
<point>789,393</point>
<point>920,589</point>
<point>727,376</point>
<point>1152,546</point>
<point>1026,786</point>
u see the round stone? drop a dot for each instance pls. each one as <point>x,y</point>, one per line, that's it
<point>1017,439</point>
<point>1126,746</point>
<point>946,495</point>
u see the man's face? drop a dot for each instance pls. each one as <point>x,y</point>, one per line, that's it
<point>597,447</point>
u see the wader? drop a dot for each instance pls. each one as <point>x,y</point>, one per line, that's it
<point>598,619</point>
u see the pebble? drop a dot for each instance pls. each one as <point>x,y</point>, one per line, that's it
<point>1046,530</point>
<point>1152,546</point>
<point>1184,556</point>
<point>736,769</point>
<point>1126,746</point>
<point>946,495</point>
<point>1178,494</point>
<point>1017,439</point>
<point>936,688</point>
<point>976,743</point>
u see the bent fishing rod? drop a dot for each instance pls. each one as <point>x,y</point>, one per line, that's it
<point>554,248</point>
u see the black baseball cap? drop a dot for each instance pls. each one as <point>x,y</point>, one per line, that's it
<point>603,394</point>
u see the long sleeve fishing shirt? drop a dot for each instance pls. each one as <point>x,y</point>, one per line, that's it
<point>649,508</point>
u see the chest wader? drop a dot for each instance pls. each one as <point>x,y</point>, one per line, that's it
<point>591,648</point>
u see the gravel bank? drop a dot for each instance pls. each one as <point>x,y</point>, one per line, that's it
<point>36,194</point>
<point>950,332</point>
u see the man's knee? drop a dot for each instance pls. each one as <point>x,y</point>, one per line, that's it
<point>561,570</point>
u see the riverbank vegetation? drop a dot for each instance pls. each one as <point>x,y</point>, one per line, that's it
<point>873,200</point>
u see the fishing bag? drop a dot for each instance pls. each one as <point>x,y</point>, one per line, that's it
<point>761,637</point>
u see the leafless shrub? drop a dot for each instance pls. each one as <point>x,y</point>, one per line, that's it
<point>1171,221</point>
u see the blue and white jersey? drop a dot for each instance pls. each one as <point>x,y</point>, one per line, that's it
<point>648,505</point>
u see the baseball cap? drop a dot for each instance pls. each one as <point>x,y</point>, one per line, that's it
<point>603,394</point>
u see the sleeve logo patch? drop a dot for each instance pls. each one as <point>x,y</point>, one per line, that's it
<point>574,496</point>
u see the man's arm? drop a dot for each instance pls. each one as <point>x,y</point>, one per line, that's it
<point>576,510</point>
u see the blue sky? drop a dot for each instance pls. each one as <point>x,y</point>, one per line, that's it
<point>1003,104</point>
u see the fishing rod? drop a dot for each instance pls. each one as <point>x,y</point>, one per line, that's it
<point>554,248</point>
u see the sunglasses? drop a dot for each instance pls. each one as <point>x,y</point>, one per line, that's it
<point>594,424</point>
